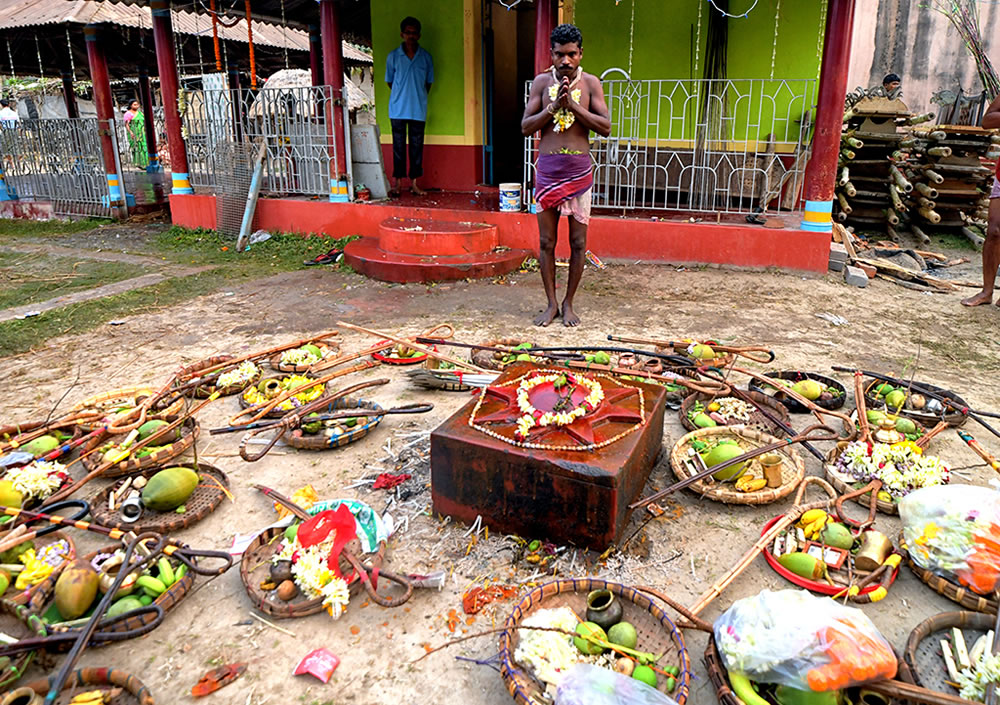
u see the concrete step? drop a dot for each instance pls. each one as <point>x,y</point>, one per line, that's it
<point>424,236</point>
<point>366,256</point>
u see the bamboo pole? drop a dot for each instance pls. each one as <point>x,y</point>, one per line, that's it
<point>264,354</point>
<point>458,362</point>
<point>442,330</point>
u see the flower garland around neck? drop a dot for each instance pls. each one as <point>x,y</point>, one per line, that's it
<point>563,118</point>
<point>559,416</point>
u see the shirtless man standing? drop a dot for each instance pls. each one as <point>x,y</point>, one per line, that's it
<point>565,105</point>
<point>991,248</point>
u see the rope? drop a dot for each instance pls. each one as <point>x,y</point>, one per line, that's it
<point>253,64</point>
<point>727,14</point>
<point>215,36</point>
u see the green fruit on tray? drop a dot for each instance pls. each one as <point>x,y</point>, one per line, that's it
<point>125,604</point>
<point>645,674</point>
<point>291,531</point>
<point>703,420</point>
<point>40,446</point>
<point>523,357</point>
<point>874,415</point>
<point>884,389</point>
<point>13,555</point>
<point>145,600</point>
<point>4,581</point>
<point>803,565</point>
<point>592,630</point>
<point>312,426</point>
<point>786,695</point>
<point>76,589</point>
<point>169,488</point>
<point>623,634</point>
<point>702,352</point>
<point>313,349</point>
<point>905,425</point>
<point>602,358</point>
<point>895,399</point>
<point>150,427</point>
<point>837,535</point>
<point>722,453</point>
<point>809,388</point>
<point>9,497</point>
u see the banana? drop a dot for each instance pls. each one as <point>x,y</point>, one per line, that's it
<point>91,697</point>
<point>752,485</point>
<point>815,527</point>
<point>166,572</point>
<point>181,572</point>
<point>151,583</point>
<point>811,516</point>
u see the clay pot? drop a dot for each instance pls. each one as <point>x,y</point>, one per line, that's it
<point>22,696</point>
<point>603,609</point>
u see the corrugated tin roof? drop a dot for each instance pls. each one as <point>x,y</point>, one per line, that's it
<point>29,13</point>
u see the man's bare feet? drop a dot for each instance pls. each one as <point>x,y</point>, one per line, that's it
<point>416,190</point>
<point>979,299</point>
<point>547,316</point>
<point>570,319</point>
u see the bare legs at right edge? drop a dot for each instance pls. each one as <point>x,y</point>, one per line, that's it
<point>548,225</point>
<point>991,258</point>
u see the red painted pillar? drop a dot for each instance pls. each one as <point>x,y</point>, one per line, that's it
<point>333,76</point>
<point>545,22</point>
<point>315,55</point>
<point>163,37</point>
<point>69,96</point>
<point>146,100</point>
<point>105,115</point>
<point>821,172</point>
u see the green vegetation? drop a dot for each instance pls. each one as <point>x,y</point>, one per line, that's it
<point>28,278</point>
<point>15,227</point>
<point>282,253</point>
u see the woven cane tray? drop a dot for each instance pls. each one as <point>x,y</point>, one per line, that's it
<point>719,361</point>
<point>133,691</point>
<point>792,471</point>
<point>166,600</point>
<point>845,483</point>
<point>31,595</point>
<point>328,350</point>
<point>206,390</point>
<point>757,422</point>
<point>952,418</point>
<point>923,648</point>
<point>189,434</point>
<point>277,413</point>
<point>19,622</point>
<point>840,396</point>
<point>388,358</point>
<point>657,633</point>
<point>255,567</point>
<point>320,441</point>
<point>491,360</point>
<point>953,591</point>
<point>106,402</point>
<point>206,497</point>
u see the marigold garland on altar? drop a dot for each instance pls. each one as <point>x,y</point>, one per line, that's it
<point>534,417</point>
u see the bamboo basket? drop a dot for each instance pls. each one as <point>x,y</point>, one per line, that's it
<point>657,633</point>
<point>206,390</point>
<point>276,412</point>
<point>18,620</point>
<point>106,401</point>
<point>758,422</point>
<point>953,591</point>
<point>795,376</point>
<point>328,350</point>
<point>320,441</point>
<point>124,628</point>
<point>845,483</point>
<point>952,418</point>
<point>205,498</point>
<point>190,430</point>
<point>133,691</point>
<point>923,651</point>
<point>792,472</point>
<point>32,595</point>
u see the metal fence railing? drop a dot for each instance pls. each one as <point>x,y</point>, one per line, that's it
<point>57,160</point>
<point>696,145</point>
<point>293,121</point>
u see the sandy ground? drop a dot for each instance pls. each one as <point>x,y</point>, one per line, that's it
<point>888,328</point>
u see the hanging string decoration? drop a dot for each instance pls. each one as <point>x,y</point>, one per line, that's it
<point>284,32</point>
<point>215,36</point>
<point>41,70</point>
<point>697,43</point>
<point>774,45</point>
<point>631,33</point>
<point>10,58</point>
<point>253,65</point>
<point>726,13</point>
<point>69,50</point>
<point>819,39</point>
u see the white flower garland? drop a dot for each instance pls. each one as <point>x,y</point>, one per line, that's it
<point>314,576</point>
<point>533,417</point>
<point>38,479</point>
<point>241,375</point>
<point>562,117</point>
<point>298,356</point>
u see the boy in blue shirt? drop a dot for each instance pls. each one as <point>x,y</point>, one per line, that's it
<point>409,71</point>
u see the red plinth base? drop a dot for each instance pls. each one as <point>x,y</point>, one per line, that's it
<point>578,497</point>
<point>367,257</point>
<point>423,236</point>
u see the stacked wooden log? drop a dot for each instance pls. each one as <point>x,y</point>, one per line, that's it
<point>951,168</point>
<point>870,187</point>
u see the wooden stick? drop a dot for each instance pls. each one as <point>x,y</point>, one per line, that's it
<point>263,354</point>
<point>904,692</point>
<point>925,439</point>
<point>458,362</point>
<point>675,344</point>
<point>436,331</point>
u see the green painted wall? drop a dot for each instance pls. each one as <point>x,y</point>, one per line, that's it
<point>441,35</point>
<point>662,36</point>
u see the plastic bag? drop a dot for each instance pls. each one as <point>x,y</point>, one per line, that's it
<point>794,638</point>
<point>586,684</point>
<point>955,532</point>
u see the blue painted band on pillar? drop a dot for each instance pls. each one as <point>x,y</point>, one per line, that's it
<point>820,206</point>
<point>181,183</point>
<point>90,33</point>
<point>338,191</point>
<point>816,227</point>
<point>114,188</point>
<point>818,217</point>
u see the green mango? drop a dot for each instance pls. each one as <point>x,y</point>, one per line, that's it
<point>602,358</point>
<point>837,535</point>
<point>312,426</point>
<point>874,415</point>
<point>786,695</point>
<point>40,446</point>
<point>895,399</point>
<point>884,389</point>
<point>722,453</point>
<point>151,427</point>
<point>123,605</point>
<point>592,630</point>
<point>905,425</point>
<point>313,349</point>
<point>702,420</point>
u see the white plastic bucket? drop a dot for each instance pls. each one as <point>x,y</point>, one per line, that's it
<point>510,197</point>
